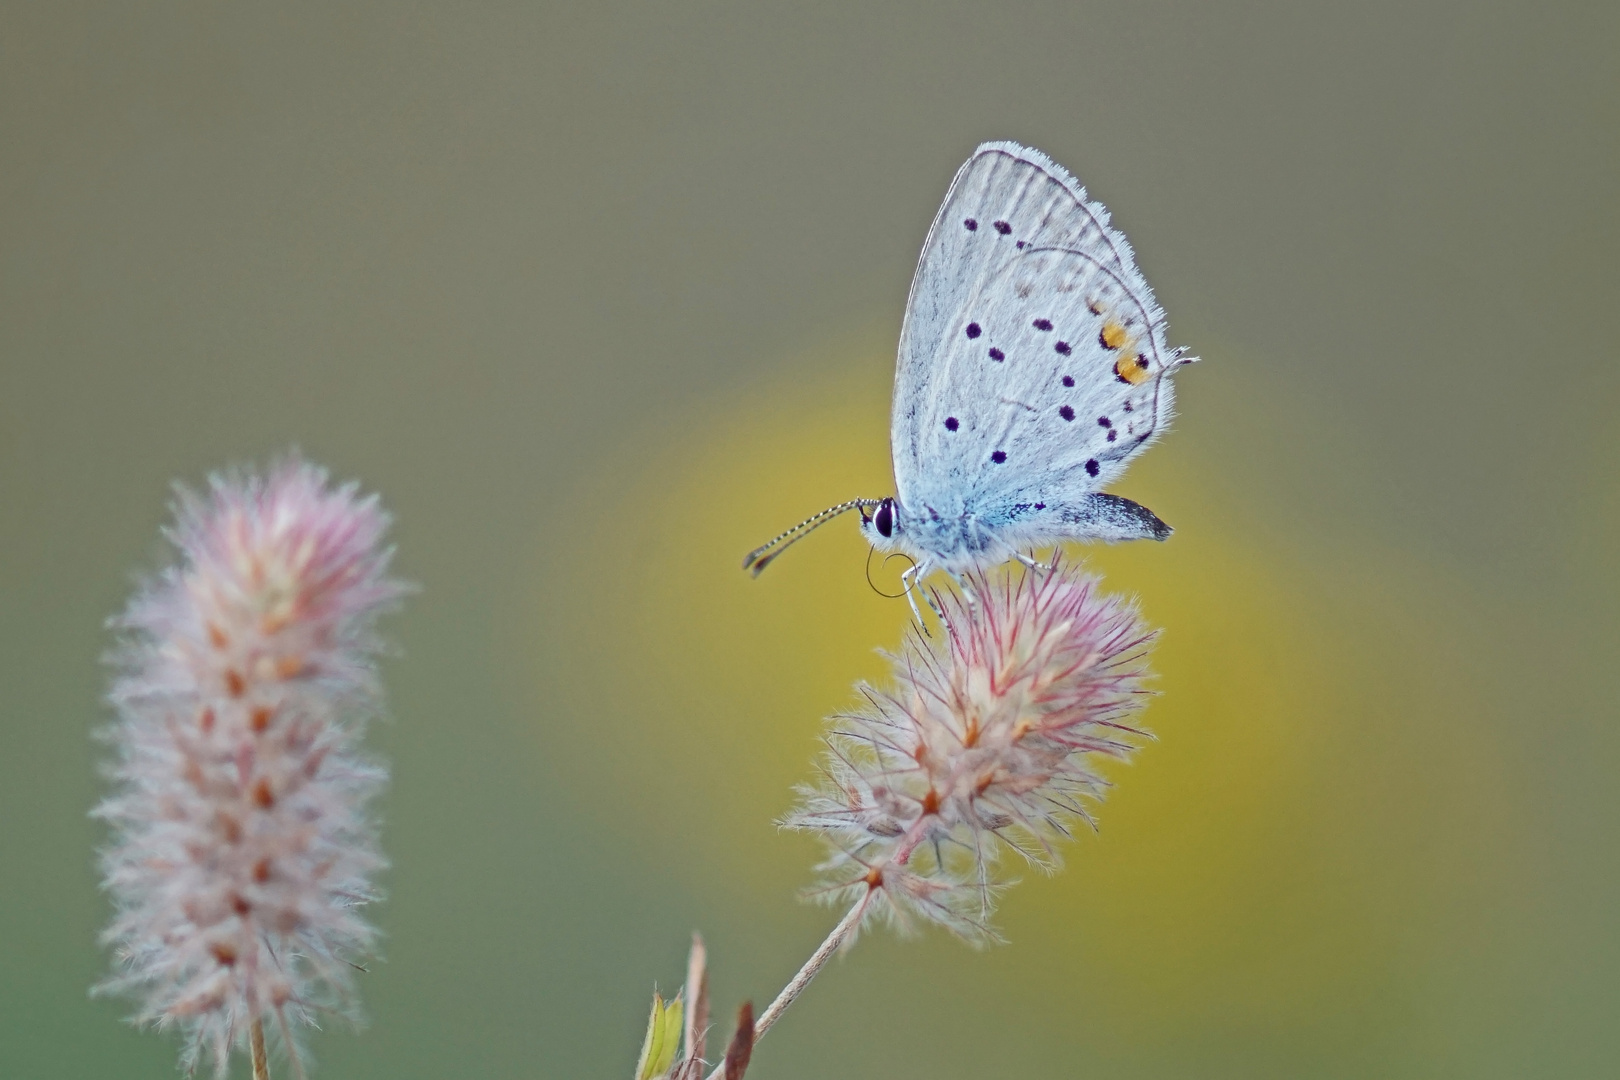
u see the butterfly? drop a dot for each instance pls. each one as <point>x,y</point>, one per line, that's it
<point>1033,367</point>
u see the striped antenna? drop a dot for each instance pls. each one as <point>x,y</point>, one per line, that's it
<point>763,555</point>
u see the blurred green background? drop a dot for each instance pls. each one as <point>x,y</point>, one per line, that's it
<point>600,296</point>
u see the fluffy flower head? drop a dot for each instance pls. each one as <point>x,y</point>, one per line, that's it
<point>984,742</point>
<point>241,848</point>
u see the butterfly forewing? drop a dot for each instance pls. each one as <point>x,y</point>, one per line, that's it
<point>1033,357</point>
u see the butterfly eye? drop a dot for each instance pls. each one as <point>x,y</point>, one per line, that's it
<point>884,518</point>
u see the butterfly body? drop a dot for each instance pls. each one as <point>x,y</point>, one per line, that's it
<point>1032,368</point>
<point>957,539</point>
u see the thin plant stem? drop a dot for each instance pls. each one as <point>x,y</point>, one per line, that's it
<point>261,1060</point>
<point>812,966</point>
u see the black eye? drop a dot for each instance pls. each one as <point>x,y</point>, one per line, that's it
<point>884,518</point>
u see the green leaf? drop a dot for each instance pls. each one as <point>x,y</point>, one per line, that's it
<point>663,1038</point>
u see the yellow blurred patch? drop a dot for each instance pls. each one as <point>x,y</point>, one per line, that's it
<point>1308,827</point>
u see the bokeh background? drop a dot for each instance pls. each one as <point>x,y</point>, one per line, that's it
<point>598,296</point>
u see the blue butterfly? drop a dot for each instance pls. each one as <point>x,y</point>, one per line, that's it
<point>1033,367</point>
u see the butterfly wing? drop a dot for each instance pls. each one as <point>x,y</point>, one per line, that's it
<point>1028,326</point>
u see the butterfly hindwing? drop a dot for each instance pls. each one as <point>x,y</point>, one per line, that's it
<point>1081,388</point>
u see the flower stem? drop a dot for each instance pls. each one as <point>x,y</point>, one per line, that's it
<point>261,1060</point>
<point>812,966</point>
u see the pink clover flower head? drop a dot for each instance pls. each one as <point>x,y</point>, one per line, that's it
<point>242,849</point>
<point>984,743</point>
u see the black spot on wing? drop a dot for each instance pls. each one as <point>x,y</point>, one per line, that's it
<point>974,330</point>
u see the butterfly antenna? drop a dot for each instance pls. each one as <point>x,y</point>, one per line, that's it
<point>763,555</point>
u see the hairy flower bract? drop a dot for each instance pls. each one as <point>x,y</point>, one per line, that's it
<point>242,849</point>
<point>984,743</point>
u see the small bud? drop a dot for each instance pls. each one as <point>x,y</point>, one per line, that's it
<point>663,1039</point>
<point>742,1043</point>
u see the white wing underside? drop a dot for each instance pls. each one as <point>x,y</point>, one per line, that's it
<point>1016,248</point>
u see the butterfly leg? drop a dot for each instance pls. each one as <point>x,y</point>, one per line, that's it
<point>967,591</point>
<point>908,582</point>
<point>1029,561</point>
<point>911,581</point>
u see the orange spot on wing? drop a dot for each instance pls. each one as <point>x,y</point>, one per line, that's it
<point>1113,335</point>
<point>1132,369</point>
